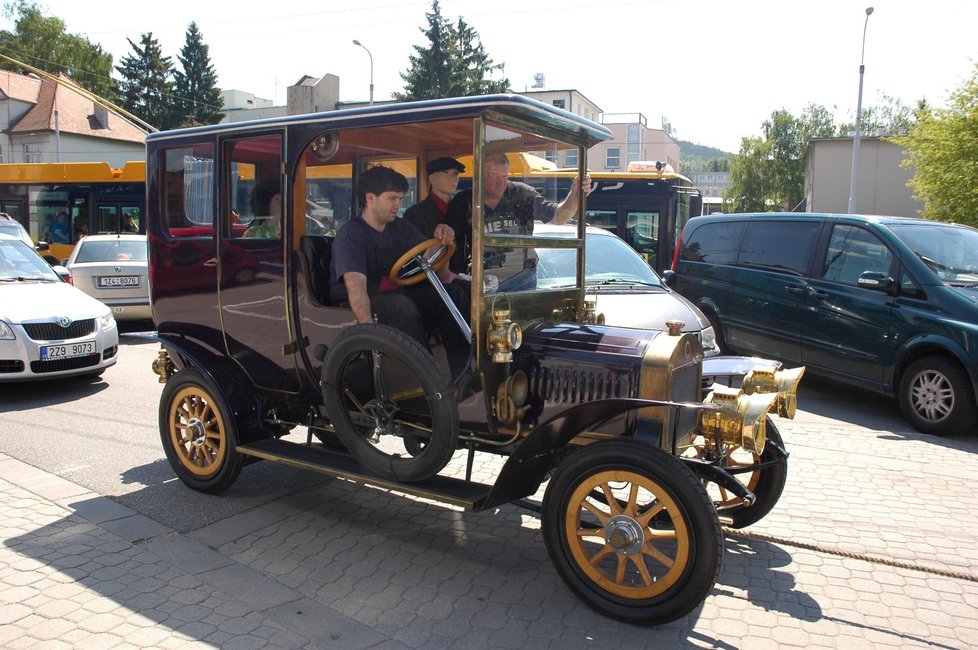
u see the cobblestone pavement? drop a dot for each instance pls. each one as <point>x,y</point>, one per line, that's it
<point>873,544</point>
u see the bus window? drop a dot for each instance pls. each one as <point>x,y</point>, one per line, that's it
<point>107,219</point>
<point>642,233</point>
<point>603,219</point>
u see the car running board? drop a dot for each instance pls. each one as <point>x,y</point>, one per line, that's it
<point>443,489</point>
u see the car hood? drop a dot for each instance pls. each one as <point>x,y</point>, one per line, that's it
<point>649,310</point>
<point>971,293</point>
<point>27,301</point>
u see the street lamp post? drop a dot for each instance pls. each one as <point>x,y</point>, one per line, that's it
<point>356,42</point>
<point>854,178</point>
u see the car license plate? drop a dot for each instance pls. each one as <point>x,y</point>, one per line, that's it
<point>66,351</point>
<point>118,281</point>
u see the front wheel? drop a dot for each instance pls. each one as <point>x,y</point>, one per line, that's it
<point>632,532</point>
<point>936,397</point>
<point>198,433</point>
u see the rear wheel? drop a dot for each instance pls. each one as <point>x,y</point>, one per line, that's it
<point>937,398</point>
<point>632,531</point>
<point>390,404</point>
<point>198,433</point>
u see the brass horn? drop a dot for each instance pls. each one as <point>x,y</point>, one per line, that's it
<point>782,382</point>
<point>740,420</point>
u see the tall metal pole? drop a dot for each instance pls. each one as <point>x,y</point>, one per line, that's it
<point>854,178</point>
<point>356,42</point>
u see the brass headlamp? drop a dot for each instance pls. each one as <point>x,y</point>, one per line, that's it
<point>740,420</point>
<point>503,336</point>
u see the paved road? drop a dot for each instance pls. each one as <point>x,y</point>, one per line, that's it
<point>874,544</point>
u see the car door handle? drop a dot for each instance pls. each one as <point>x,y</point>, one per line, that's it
<point>818,294</point>
<point>211,262</point>
<point>796,291</point>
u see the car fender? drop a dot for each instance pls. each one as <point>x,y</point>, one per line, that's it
<point>224,376</point>
<point>528,465</point>
<point>928,345</point>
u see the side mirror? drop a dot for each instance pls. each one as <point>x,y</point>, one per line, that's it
<point>668,277</point>
<point>62,271</point>
<point>875,280</point>
<point>41,246</point>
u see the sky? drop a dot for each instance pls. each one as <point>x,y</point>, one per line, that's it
<point>715,69</point>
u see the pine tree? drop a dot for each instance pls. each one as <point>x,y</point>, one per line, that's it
<point>147,91</point>
<point>453,64</point>
<point>198,99</point>
<point>430,75</point>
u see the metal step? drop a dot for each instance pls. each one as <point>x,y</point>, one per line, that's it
<point>314,457</point>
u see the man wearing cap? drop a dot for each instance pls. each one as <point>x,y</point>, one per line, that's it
<point>442,183</point>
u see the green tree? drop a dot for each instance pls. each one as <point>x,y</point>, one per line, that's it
<point>453,64</point>
<point>891,117</point>
<point>942,149</point>
<point>147,89</point>
<point>769,172</point>
<point>41,41</point>
<point>198,99</point>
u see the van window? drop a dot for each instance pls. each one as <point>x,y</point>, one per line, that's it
<point>784,246</point>
<point>852,251</point>
<point>715,243</point>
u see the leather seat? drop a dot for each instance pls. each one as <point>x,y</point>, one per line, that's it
<point>317,250</point>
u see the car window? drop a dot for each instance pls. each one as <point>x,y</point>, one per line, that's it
<point>608,260</point>
<point>19,261</point>
<point>784,246</point>
<point>715,243</point>
<point>188,199</point>
<point>853,251</point>
<point>119,250</point>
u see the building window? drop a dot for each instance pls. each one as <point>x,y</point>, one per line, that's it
<point>1,153</point>
<point>550,155</point>
<point>32,152</point>
<point>613,158</point>
<point>571,159</point>
<point>559,103</point>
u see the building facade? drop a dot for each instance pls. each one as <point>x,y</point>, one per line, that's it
<point>46,120</point>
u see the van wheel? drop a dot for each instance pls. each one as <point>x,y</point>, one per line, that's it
<point>632,531</point>
<point>390,404</point>
<point>935,397</point>
<point>767,484</point>
<point>197,429</point>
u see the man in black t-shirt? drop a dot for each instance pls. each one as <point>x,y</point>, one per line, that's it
<point>363,253</point>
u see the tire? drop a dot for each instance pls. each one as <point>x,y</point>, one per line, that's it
<point>679,547</point>
<point>936,397</point>
<point>198,432</point>
<point>767,484</point>
<point>401,424</point>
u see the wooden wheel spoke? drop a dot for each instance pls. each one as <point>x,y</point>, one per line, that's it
<point>620,571</point>
<point>610,498</point>
<point>651,551</point>
<point>602,516</point>
<point>605,551</point>
<point>590,532</point>
<point>643,570</point>
<point>647,516</point>
<point>631,508</point>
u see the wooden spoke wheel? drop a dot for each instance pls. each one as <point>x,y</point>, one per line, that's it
<point>198,433</point>
<point>632,531</point>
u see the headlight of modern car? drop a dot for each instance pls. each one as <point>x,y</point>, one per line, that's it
<point>708,337</point>
<point>106,322</point>
<point>6,333</point>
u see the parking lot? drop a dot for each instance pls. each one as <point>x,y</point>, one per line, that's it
<point>873,544</point>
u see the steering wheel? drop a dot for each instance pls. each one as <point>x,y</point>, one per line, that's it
<point>405,277</point>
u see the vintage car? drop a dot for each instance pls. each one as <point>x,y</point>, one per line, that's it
<point>613,417</point>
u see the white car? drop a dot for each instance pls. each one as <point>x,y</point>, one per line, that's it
<point>48,328</point>
<point>626,289</point>
<point>114,270</point>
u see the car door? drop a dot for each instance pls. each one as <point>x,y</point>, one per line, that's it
<point>771,298</point>
<point>251,274</point>
<point>847,332</point>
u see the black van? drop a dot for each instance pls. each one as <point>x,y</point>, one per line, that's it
<point>887,303</point>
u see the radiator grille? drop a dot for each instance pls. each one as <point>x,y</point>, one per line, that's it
<point>54,331</point>
<point>58,365</point>
<point>576,385</point>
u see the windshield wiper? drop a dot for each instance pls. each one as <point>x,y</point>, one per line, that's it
<point>610,281</point>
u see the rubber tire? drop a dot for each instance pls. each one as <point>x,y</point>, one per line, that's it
<point>669,475</point>
<point>770,483</point>
<point>961,419</point>
<point>179,389</point>
<point>444,411</point>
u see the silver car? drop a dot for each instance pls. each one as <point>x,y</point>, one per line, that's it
<point>48,328</point>
<point>626,289</point>
<point>113,270</point>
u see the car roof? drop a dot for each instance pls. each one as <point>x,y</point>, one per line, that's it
<point>834,216</point>
<point>570,229</point>
<point>118,236</point>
